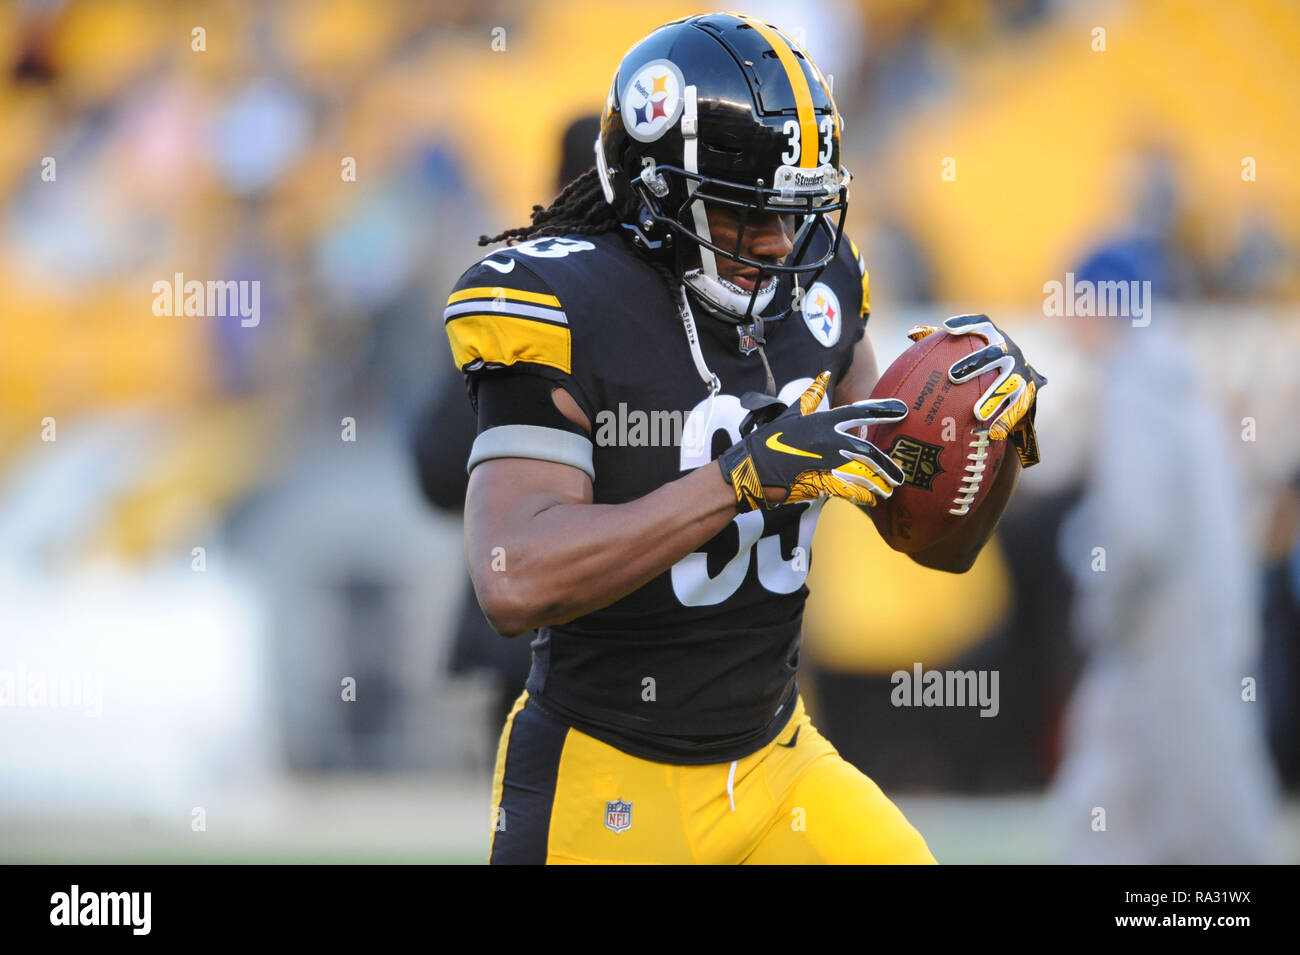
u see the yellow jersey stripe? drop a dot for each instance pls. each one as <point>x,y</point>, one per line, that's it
<point>499,773</point>
<point>810,144</point>
<point>866,279</point>
<point>505,339</point>
<point>509,294</point>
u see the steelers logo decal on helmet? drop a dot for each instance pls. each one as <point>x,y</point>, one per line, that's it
<point>653,100</point>
<point>821,313</point>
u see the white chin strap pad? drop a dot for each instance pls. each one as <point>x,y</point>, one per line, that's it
<point>729,297</point>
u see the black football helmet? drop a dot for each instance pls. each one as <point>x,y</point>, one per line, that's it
<point>724,109</point>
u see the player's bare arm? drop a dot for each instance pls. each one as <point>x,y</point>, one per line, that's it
<point>541,552</point>
<point>564,556</point>
<point>861,377</point>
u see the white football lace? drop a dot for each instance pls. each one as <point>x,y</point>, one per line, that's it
<point>970,484</point>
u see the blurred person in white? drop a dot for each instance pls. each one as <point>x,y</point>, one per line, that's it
<point>1161,733</point>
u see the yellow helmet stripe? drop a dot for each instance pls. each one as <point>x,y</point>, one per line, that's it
<point>508,294</point>
<point>809,142</point>
<point>821,78</point>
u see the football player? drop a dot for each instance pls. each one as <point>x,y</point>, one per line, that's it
<point>670,373</point>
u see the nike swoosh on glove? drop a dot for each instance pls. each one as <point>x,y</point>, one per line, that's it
<point>811,453</point>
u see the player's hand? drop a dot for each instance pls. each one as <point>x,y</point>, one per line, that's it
<point>809,454</point>
<point>1010,404</point>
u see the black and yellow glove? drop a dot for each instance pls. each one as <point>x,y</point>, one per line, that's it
<point>809,452</point>
<point>1010,404</point>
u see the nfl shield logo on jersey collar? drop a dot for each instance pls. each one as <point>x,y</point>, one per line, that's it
<point>751,336</point>
<point>748,343</point>
<point>618,815</point>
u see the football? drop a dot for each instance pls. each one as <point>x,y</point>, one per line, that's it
<point>947,460</point>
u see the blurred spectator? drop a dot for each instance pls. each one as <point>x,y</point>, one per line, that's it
<point>1258,264</point>
<point>578,149</point>
<point>1152,246</point>
<point>1281,654</point>
<point>33,63</point>
<point>1160,735</point>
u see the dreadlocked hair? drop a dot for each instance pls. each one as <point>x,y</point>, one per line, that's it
<point>580,209</point>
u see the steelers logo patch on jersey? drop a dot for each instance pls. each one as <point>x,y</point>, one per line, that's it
<point>821,313</point>
<point>653,100</point>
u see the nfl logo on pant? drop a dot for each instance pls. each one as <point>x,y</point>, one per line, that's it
<point>618,815</point>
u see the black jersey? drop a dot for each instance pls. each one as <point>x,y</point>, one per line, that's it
<point>698,665</point>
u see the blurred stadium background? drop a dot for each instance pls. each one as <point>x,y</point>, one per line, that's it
<point>996,146</point>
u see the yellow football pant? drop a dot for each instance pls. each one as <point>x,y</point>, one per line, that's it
<point>561,796</point>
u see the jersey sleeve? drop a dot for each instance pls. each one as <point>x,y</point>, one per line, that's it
<point>512,339</point>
